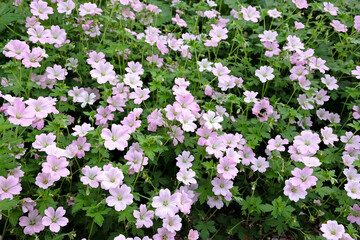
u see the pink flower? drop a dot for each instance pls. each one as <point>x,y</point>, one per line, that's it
<point>215,201</point>
<point>165,204</point>
<point>95,58</point>
<point>353,189</point>
<point>299,25</point>
<point>338,26</point>
<point>38,34</point>
<point>303,178</point>
<point>163,233</point>
<point>143,217</point>
<point>41,9</point>
<point>274,13</point>
<point>259,164</point>
<point>90,175</point>
<point>103,115</point>
<point>332,230</point>
<point>33,57</point>
<point>212,121</point>
<point>186,176</point>
<point>133,80</point>
<point>44,180</point>
<point>135,68</point>
<point>221,186</point>
<point>28,205</point>
<point>42,106</point>
<point>56,72</point>
<point>172,223</point>
<point>89,9</point>
<point>294,192</point>
<point>82,130</point>
<point>16,49</point>
<point>9,186</point>
<point>57,36</point>
<point>180,22</point>
<point>357,23</point>
<point>184,160</point>
<point>66,7</point>
<point>111,177</point>
<point>310,161</point>
<point>294,43</point>
<point>218,33</point>
<point>43,140</point>
<point>307,142</point>
<point>300,4</point>
<point>103,72</point>
<point>116,138</point>
<point>318,63</point>
<point>220,70</point>
<point>140,95</point>
<point>277,144</point>
<point>330,8</point>
<point>328,136</point>
<point>56,167</point>
<point>227,168</point>
<point>356,72</point>
<point>268,36</point>
<point>356,113</point>
<point>262,110</point>
<point>136,160</point>
<point>265,73</point>
<point>32,223</point>
<point>355,214</point>
<point>19,114</point>
<point>330,82</point>
<point>193,234</point>
<point>250,14</point>
<point>120,197</point>
<point>55,219</point>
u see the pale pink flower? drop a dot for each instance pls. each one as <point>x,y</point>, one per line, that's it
<point>338,26</point>
<point>332,230</point>
<point>44,180</point>
<point>120,197</point>
<point>56,72</point>
<point>165,204</point>
<point>9,187</point>
<point>41,9</point>
<point>172,223</point>
<point>116,138</point>
<point>180,22</point>
<point>43,140</point>
<point>66,7</point>
<point>56,167</point>
<point>221,186</point>
<point>143,217</point>
<point>19,114</point>
<point>259,164</point>
<point>103,72</point>
<point>250,14</point>
<point>330,8</point>
<point>265,73</point>
<point>32,223</point>
<point>274,13</point>
<point>294,192</point>
<point>111,177</point>
<point>54,219</point>
<point>90,176</point>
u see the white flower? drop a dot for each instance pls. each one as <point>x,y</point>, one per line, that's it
<point>211,121</point>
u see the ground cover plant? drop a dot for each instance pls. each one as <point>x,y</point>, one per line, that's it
<point>182,119</point>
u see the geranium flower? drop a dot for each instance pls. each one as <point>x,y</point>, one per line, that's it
<point>54,219</point>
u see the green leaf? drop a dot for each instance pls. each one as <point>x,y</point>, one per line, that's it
<point>205,228</point>
<point>7,204</point>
